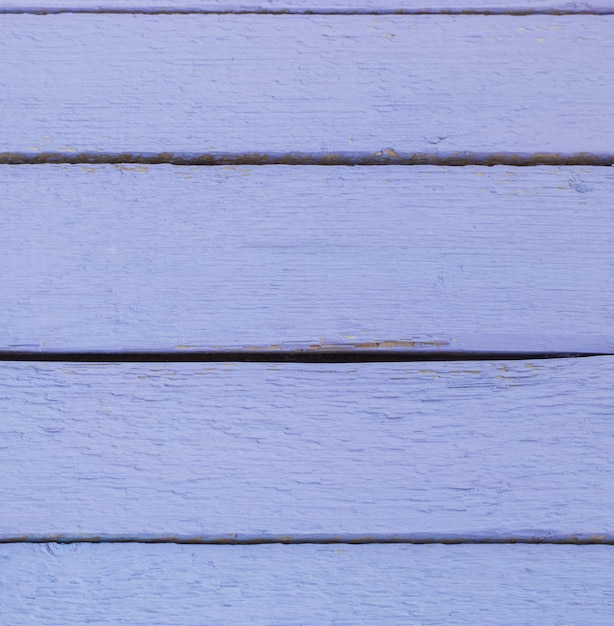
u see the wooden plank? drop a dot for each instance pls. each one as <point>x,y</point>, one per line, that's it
<point>303,6</point>
<point>171,584</point>
<point>252,451</point>
<point>321,86</point>
<point>115,258</point>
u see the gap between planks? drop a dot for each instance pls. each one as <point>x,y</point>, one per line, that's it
<point>494,11</point>
<point>386,156</point>
<point>534,538</point>
<point>315,354</point>
<point>512,13</point>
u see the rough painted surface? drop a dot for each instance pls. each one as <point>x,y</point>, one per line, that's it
<point>195,585</point>
<point>178,258</point>
<point>174,259</point>
<point>294,6</point>
<point>208,84</point>
<point>467,449</point>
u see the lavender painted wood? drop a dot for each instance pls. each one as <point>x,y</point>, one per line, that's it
<point>322,86</point>
<point>176,258</point>
<point>254,451</point>
<point>194,585</point>
<point>344,6</point>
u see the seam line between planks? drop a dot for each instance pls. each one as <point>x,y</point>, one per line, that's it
<point>386,156</point>
<point>332,12</point>
<point>321,539</point>
<point>290,356</point>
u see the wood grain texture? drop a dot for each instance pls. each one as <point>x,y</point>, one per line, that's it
<point>317,85</point>
<point>310,6</point>
<point>194,585</point>
<point>250,450</point>
<point>116,258</point>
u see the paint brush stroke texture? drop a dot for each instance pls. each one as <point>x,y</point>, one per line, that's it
<point>271,585</point>
<point>208,84</point>
<point>473,450</point>
<point>164,258</point>
<point>315,6</point>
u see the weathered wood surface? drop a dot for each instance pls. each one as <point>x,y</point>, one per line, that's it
<point>175,258</point>
<point>163,258</point>
<point>321,86</point>
<point>310,6</point>
<point>486,450</point>
<point>195,585</point>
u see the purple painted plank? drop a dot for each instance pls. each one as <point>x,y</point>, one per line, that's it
<point>323,6</point>
<point>195,585</point>
<point>486,450</point>
<point>318,85</point>
<point>166,258</point>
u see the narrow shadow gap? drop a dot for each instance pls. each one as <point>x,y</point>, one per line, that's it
<point>387,156</point>
<point>289,356</point>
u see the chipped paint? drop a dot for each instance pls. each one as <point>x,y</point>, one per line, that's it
<point>141,169</point>
<point>324,346</point>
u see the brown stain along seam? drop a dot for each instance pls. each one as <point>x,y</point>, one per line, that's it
<point>387,156</point>
<point>579,540</point>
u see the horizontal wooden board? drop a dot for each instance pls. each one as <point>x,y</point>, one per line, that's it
<point>115,258</point>
<point>322,86</point>
<point>253,451</point>
<point>170,584</point>
<point>306,6</point>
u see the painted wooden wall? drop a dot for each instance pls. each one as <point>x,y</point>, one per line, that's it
<point>307,312</point>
